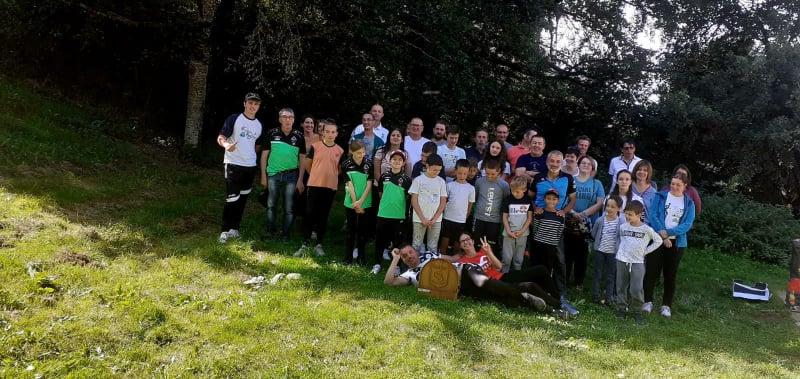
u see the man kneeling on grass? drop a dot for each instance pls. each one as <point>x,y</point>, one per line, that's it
<point>474,282</point>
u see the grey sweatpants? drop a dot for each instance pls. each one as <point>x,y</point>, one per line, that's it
<point>630,276</point>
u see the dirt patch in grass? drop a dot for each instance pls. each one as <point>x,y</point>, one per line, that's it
<point>76,258</point>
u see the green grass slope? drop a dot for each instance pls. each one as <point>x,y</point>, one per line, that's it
<point>110,268</point>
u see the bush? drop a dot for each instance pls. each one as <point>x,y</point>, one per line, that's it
<point>736,225</point>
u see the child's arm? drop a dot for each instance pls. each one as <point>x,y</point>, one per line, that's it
<point>469,208</point>
<point>486,247</point>
<point>655,242</point>
<point>364,195</point>
<point>527,222</point>
<point>506,226</point>
<point>440,210</point>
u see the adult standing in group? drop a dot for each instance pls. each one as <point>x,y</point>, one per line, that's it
<point>439,133</point>
<point>377,126</point>
<point>414,140</point>
<point>564,185</point>
<point>582,143</point>
<point>372,142</point>
<point>570,165</point>
<point>534,163</point>
<point>382,158</point>
<point>241,138</point>
<point>690,190</point>
<point>501,133</point>
<point>644,186</point>
<point>672,214</point>
<point>589,195</point>
<point>310,136</point>
<point>282,170</point>
<point>522,148</point>
<point>625,161</point>
<point>479,145</point>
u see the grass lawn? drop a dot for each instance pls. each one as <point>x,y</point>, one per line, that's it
<point>110,267</point>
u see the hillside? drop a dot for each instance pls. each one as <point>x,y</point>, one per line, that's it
<point>110,268</point>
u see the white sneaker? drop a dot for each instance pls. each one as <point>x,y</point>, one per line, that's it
<point>223,237</point>
<point>355,253</point>
<point>665,311</point>
<point>647,307</point>
<point>375,269</point>
<point>303,248</point>
<point>386,256</point>
<point>233,233</point>
<point>318,250</point>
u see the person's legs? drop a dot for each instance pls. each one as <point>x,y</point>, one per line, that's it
<point>672,258</point>
<point>597,278</point>
<point>636,281</point>
<point>654,263</point>
<point>538,275</point>
<point>309,220</point>
<point>518,252</point>
<point>433,236</point>
<point>569,257</point>
<point>383,230</point>
<point>233,187</point>
<point>418,235</point>
<point>610,264</point>
<point>623,281</point>
<point>274,183</point>
<point>508,253</point>
<point>352,230</point>
<point>325,203</point>
<point>362,233</point>
<point>580,256</point>
<point>289,183</point>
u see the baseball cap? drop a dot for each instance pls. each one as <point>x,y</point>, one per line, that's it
<point>252,96</point>
<point>398,152</point>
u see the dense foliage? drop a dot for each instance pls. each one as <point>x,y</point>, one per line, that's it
<point>712,84</point>
<point>735,225</point>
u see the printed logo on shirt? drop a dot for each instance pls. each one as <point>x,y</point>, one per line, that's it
<point>246,132</point>
<point>518,209</point>
<point>632,233</point>
<point>489,202</point>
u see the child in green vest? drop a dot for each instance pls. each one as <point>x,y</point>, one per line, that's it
<point>357,174</point>
<point>393,187</point>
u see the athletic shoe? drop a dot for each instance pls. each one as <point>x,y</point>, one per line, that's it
<point>638,319</point>
<point>318,250</point>
<point>375,269</point>
<point>534,301</point>
<point>223,237</point>
<point>233,233</point>
<point>558,313</point>
<point>620,313</point>
<point>665,311</point>
<point>565,305</point>
<point>386,256</point>
<point>355,253</point>
<point>302,250</point>
<point>647,307</point>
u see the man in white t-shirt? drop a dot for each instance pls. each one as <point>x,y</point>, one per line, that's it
<point>624,161</point>
<point>414,140</point>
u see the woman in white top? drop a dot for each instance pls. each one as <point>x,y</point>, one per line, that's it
<point>624,191</point>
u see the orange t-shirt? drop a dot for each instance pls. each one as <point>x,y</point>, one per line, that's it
<point>324,165</point>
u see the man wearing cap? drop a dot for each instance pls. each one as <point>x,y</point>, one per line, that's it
<point>282,169</point>
<point>241,138</point>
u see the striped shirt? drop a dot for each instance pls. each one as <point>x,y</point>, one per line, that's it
<point>549,227</point>
<point>608,240</point>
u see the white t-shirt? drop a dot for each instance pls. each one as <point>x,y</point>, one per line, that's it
<point>673,210</point>
<point>449,157</point>
<point>429,192</point>
<point>414,149</point>
<point>459,196</point>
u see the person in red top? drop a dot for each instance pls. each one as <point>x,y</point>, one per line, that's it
<point>534,280</point>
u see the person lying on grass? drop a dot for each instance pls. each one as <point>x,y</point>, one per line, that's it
<point>473,281</point>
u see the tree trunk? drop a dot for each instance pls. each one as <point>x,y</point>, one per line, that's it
<point>195,101</point>
<point>205,14</point>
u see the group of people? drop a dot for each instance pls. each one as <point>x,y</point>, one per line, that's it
<point>423,198</point>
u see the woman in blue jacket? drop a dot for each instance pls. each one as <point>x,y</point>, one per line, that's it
<point>671,215</point>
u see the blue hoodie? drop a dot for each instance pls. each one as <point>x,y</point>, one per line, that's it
<point>657,217</point>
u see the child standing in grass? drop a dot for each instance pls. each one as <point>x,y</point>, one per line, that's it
<point>636,240</point>
<point>606,241</point>
<point>428,198</point>
<point>357,173</point>
<point>489,192</point>
<point>393,187</point>
<point>516,220</point>
<point>460,197</point>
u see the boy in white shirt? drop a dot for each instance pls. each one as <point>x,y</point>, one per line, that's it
<point>460,198</point>
<point>428,199</point>
<point>636,239</point>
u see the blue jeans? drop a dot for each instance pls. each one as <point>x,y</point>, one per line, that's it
<point>281,183</point>
<point>607,281</point>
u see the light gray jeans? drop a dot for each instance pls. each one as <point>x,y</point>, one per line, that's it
<point>630,277</point>
<point>419,231</point>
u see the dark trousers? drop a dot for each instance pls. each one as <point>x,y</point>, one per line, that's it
<point>388,231</point>
<point>357,226</point>
<point>475,283</point>
<point>536,281</point>
<point>318,207</point>
<point>575,257</point>
<point>490,230</point>
<point>238,184</point>
<point>548,256</point>
<point>664,260</point>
